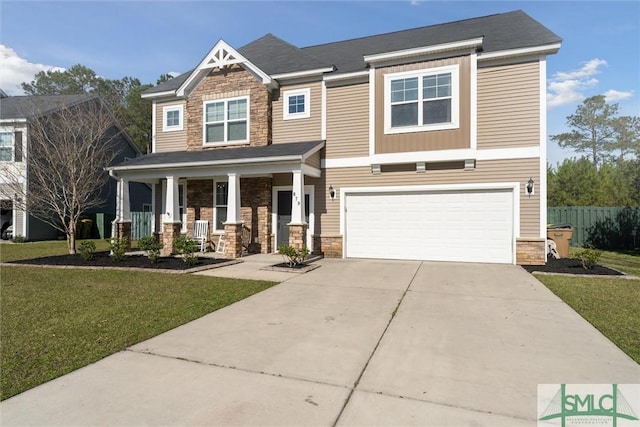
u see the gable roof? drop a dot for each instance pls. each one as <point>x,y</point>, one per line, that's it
<point>29,106</point>
<point>500,32</point>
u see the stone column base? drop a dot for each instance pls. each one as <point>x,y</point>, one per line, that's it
<point>170,231</point>
<point>530,251</point>
<point>298,235</point>
<point>233,241</point>
<point>123,229</point>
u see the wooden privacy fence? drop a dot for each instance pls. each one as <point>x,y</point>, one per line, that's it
<point>140,224</point>
<point>580,218</point>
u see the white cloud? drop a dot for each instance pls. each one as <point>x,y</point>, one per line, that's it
<point>613,95</point>
<point>16,70</point>
<point>567,87</point>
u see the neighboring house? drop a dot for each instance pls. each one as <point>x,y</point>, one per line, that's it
<point>426,144</point>
<point>16,112</point>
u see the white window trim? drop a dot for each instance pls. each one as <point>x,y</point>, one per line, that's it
<point>165,111</point>
<point>12,157</point>
<point>225,142</point>
<point>455,99</point>
<point>307,104</point>
<point>215,206</point>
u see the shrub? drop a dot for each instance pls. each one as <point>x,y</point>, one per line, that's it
<point>118,248</point>
<point>292,255</point>
<point>87,248</point>
<point>589,257</point>
<point>18,239</point>
<point>186,247</point>
<point>152,247</point>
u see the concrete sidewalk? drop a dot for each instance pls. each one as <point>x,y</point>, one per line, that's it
<point>354,342</point>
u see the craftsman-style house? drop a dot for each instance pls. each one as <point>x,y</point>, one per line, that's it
<point>425,144</point>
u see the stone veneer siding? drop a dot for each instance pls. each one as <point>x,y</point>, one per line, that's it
<point>123,229</point>
<point>233,241</point>
<point>298,235</point>
<point>530,251</point>
<point>329,246</point>
<point>170,231</point>
<point>255,202</point>
<point>229,83</point>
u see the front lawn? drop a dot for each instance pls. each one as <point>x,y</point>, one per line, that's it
<point>611,305</point>
<point>16,251</point>
<point>53,321</point>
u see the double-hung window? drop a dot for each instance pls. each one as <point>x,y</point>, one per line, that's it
<point>296,104</point>
<point>172,118</point>
<point>422,100</point>
<point>220,200</point>
<point>6,146</point>
<point>226,121</point>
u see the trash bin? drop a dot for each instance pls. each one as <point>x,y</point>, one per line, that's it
<point>85,231</point>
<point>561,235</point>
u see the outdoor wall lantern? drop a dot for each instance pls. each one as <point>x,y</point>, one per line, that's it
<point>530,187</point>
<point>332,192</point>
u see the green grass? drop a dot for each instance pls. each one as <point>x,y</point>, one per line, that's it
<point>16,251</point>
<point>611,305</point>
<point>53,321</point>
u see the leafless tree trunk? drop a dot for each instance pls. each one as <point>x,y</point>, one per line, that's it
<point>67,152</point>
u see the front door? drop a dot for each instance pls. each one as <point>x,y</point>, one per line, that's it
<point>284,215</point>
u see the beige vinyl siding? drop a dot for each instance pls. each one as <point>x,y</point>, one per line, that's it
<point>509,106</point>
<point>314,160</point>
<point>427,140</point>
<point>174,140</point>
<point>347,121</point>
<point>302,129</point>
<point>504,171</point>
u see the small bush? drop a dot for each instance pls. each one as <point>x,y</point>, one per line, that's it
<point>589,257</point>
<point>18,239</point>
<point>292,255</point>
<point>152,247</point>
<point>118,248</point>
<point>87,248</point>
<point>186,247</point>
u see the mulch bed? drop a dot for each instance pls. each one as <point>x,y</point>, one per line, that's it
<point>102,259</point>
<point>571,266</point>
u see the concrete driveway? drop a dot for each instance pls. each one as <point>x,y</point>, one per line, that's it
<point>354,342</point>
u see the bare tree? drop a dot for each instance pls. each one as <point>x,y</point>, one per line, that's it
<point>68,151</point>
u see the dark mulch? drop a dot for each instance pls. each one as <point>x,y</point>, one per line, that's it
<point>294,267</point>
<point>102,259</point>
<point>571,266</point>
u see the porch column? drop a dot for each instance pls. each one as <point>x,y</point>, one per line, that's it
<point>233,225</point>
<point>298,226</point>
<point>172,223</point>
<point>123,211</point>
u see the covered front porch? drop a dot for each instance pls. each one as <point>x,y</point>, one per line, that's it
<point>232,190</point>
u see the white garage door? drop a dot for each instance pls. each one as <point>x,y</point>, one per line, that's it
<point>466,226</point>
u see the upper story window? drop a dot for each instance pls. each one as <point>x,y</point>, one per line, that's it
<point>172,118</point>
<point>422,100</point>
<point>6,146</point>
<point>296,104</point>
<point>226,121</point>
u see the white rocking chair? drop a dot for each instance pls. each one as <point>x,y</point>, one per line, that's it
<point>201,234</point>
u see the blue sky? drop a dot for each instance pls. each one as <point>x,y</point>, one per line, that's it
<point>600,53</point>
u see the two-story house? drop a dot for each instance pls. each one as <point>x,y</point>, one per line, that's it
<point>17,114</point>
<point>425,144</point>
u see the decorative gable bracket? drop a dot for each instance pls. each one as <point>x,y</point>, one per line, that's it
<point>222,55</point>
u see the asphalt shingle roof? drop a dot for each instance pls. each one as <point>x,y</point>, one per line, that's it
<point>230,155</point>
<point>29,106</point>
<point>503,31</point>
